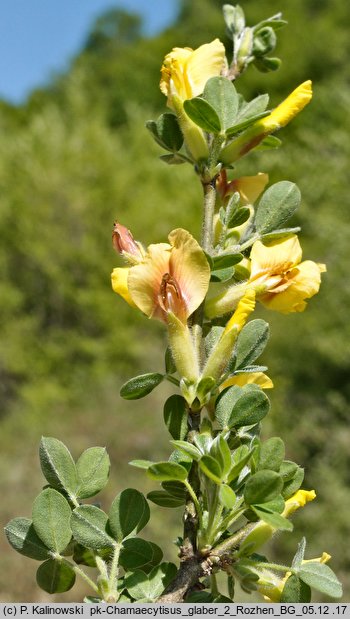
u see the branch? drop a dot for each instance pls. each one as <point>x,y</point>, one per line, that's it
<point>190,571</point>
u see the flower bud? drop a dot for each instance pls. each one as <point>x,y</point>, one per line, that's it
<point>125,244</point>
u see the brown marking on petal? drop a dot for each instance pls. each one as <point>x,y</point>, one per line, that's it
<point>170,297</point>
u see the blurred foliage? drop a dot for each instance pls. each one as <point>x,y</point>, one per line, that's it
<point>74,157</point>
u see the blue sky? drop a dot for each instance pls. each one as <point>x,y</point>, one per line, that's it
<point>38,37</point>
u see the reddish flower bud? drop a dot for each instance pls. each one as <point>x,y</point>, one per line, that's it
<point>125,244</point>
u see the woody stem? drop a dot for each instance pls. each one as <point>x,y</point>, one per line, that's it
<point>209,191</point>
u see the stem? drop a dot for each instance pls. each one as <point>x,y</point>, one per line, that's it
<point>113,574</point>
<point>276,567</point>
<point>173,380</point>
<point>233,541</point>
<point>80,573</point>
<point>195,501</point>
<point>214,585</point>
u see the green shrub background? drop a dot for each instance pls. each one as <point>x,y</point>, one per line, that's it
<point>74,157</point>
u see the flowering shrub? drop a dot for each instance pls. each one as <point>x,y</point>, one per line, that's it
<point>236,490</point>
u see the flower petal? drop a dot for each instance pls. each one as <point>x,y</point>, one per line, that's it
<point>120,284</point>
<point>190,268</point>
<point>289,108</point>
<point>304,285</point>
<point>248,378</point>
<point>250,187</point>
<point>244,308</point>
<point>145,279</point>
<point>185,71</point>
<point>276,258</point>
<point>299,499</point>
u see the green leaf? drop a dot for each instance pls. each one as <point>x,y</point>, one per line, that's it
<point>271,454</point>
<point>275,505</point>
<point>141,464</point>
<point>89,527</point>
<point>135,553</point>
<point>164,499</point>
<point>253,108</point>
<point>275,520</point>
<point>93,471</point>
<point>175,488</point>
<point>55,577</point>
<point>221,452</point>
<point>176,416</point>
<point>264,41</point>
<point>240,462</point>
<point>202,114</point>
<point>169,132</point>
<point>51,516</point>
<point>276,206</point>
<point>234,19</point>
<point>295,590</point>
<point>268,143</point>
<point>84,556</point>
<point>170,367</point>
<point>266,64</point>
<point>175,159</point>
<point>222,275</point>
<point>221,94</point>
<point>149,587</point>
<point>188,448</point>
<point>251,342</point>
<point>167,471</point>
<point>282,233</point>
<point>244,124</point>
<point>166,132</point>
<point>21,535</point>
<point>291,486</point>
<point>58,465</point>
<point>250,408</point>
<point>319,576</point>
<point>299,555</point>
<point>211,468</point>
<point>261,487</point>
<point>223,261</point>
<point>225,402</point>
<point>227,496</point>
<point>140,386</point>
<point>239,217</point>
<point>129,514</point>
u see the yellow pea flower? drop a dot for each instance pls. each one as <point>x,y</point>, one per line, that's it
<point>169,283</point>
<point>279,117</point>
<point>183,76</point>
<point>280,280</point>
<point>185,71</point>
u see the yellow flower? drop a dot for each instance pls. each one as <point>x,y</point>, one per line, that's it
<point>170,277</point>
<point>279,117</point>
<point>299,499</point>
<point>248,378</point>
<point>280,280</point>
<point>185,71</point>
<point>183,76</point>
<point>169,283</point>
